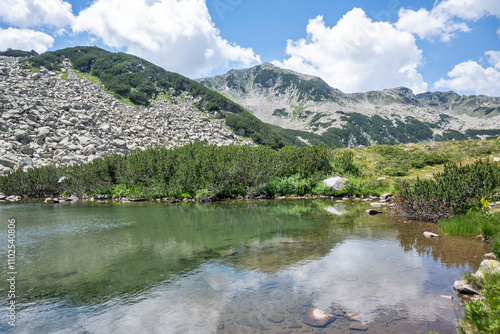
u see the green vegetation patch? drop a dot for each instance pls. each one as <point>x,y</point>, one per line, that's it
<point>128,76</point>
<point>281,113</point>
<point>454,191</point>
<point>15,53</point>
<point>192,170</point>
<point>304,114</point>
<point>483,315</point>
<point>258,131</point>
<point>490,134</point>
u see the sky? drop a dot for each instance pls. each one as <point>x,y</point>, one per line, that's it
<point>354,45</point>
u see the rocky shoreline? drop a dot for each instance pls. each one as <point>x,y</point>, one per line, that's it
<point>58,119</point>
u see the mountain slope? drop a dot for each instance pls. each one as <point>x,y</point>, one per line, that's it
<point>304,109</point>
<point>139,82</point>
<point>49,118</point>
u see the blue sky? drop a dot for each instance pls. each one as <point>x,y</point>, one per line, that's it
<point>354,45</point>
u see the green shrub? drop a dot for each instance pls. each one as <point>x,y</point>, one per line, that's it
<point>483,315</point>
<point>495,245</point>
<point>204,195</point>
<point>225,171</point>
<point>454,191</point>
<point>467,224</point>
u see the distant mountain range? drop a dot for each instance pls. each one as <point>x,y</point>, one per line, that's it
<point>273,106</point>
<point>304,109</point>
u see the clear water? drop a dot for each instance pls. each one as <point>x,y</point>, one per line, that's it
<point>228,267</point>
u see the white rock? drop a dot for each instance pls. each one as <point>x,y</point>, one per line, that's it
<point>337,182</point>
<point>488,267</point>
<point>463,287</point>
<point>430,235</point>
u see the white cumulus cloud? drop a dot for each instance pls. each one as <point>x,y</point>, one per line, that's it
<point>444,20</point>
<point>429,24</point>
<point>471,9</point>
<point>36,13</point>
<point>25,39</point>
<point>469,76</point>
<point>178,35</point>
<point>357,54</point>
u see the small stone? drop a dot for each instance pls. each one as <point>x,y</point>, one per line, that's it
<point>403,315</point>
<point>490,256</point>
<point>120,143</point>
<point>338,312</point>
<point>430,235</point>
<point>276,318</point>
<point>445,297</point>
<point>226,252</point>
<point>376,205</point>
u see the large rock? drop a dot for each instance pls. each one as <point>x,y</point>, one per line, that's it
<point>464,288</point>
<point>337,182</point>
<point>317,318</point>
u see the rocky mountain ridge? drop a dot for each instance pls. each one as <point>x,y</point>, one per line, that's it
<point>300,104</point>
<point>61,119</point>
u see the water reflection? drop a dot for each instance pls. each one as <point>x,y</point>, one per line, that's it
<point>451,251</point>
<point>229,267</point>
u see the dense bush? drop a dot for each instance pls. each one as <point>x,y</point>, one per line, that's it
<point>192,170</point>
<point>16,53</point>
<point>454,191</point>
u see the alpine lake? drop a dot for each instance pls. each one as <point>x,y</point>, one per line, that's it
<point>228,267</point>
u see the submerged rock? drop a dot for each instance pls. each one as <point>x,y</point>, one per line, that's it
<point>317,318</point>
<point>356,326</point>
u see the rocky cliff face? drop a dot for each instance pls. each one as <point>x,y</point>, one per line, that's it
<point>298,102</point>
<point>49,118</point>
